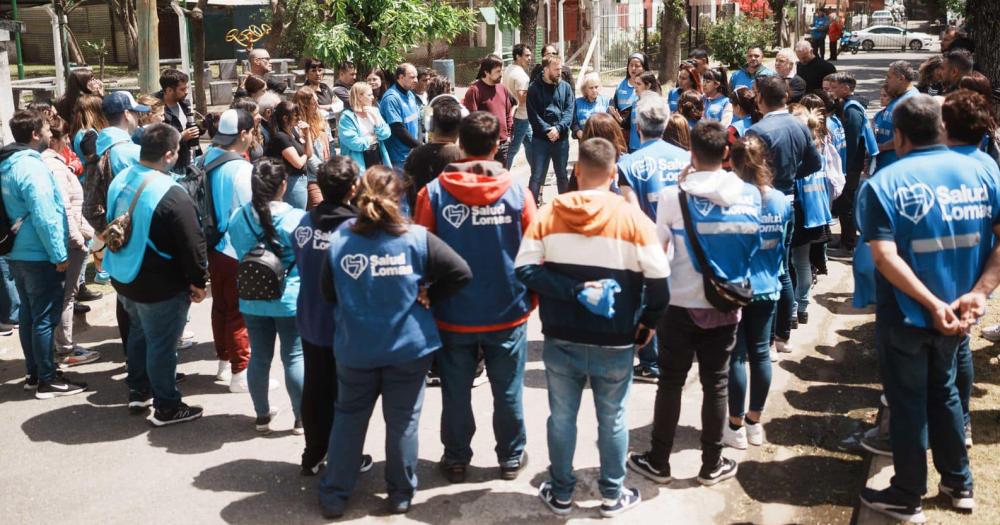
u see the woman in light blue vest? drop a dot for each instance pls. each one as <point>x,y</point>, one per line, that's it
<point>269,220</point>
<point>753,336</point>
<point>716,88</point>
<point>362,130</point>
<point>380,274</point>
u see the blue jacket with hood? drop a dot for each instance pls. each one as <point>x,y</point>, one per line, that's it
<point>30,193</point>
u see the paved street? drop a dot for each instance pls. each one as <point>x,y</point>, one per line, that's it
<point>84,459</point>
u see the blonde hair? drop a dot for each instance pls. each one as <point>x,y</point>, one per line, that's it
<point>357,91</point>
<point>305,100</point>
<point>379,191</point>
<point>814,118</point>
<point>156,107</point>
<point>87,114</point>
<point>749,156</point>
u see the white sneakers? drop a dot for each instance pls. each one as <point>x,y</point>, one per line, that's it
<point>223,374</point>
<point>238,383</point>
<point>784,347</point>
<point>991,333</point>
<point>747,434</point>
<point>774,354</point>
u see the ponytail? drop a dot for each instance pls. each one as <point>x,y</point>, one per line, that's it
<point>268,176</point>
<point>750,162</point>
<point>379,191</point>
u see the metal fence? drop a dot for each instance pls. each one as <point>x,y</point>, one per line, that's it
<point>622,30</point>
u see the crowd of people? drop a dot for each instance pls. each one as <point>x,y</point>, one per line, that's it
<point>374,233</point>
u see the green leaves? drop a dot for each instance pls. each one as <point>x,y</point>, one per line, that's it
<point>729,38</point>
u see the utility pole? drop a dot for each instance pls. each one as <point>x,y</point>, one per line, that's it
<point>149,46</point>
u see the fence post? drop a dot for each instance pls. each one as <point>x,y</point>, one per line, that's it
<point>562,30</point>
<point>598,19</point>
<point>57,50</point>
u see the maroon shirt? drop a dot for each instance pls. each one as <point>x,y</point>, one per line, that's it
<point>493,99</point>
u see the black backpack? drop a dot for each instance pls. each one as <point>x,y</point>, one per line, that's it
<point>8,231</point>
<point>196,182</point>
<point>97,177</point>
<point>260,275</point>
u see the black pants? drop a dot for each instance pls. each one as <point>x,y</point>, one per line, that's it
<point>677,351</point>
<point>319,393</point>
<point>819,45</point>
<point>502,150</point>
<point>844,206</point>
<point>121,317</point>
<point>833,49</point>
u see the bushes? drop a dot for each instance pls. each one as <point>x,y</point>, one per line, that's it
<point>729,38</point>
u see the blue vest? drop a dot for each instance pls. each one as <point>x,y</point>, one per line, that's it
<point>625,96</point>
<point>813,194</point>
<point>653,167</point>
<point>634,141</point>
<point>714,108</point>
<point>871,143</point>
<point>884,129</point>
<point>396,107</point>
<point>379,321</point>
<point>983,158</point>
<point>245,233</point>
<point>584,109</point>
<point>313,314</point>
<point>672,98</point>
<point>741,125</point>
<point>488,237</point>
<point>743,79</point>
<point>839,139</point>
<point>124,265</point>
<point>863,266</point>
<point>730,237</point>
<point>941,206</point>
<point>768,263</point>
<point>223,180</point>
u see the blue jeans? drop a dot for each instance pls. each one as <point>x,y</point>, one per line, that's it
<point>40,288</point>
<point>648,354</point>
<point>963,377</point>
<point>521,134</point>
<point>151,350</point>
<point>504,352</point>
<point>10,303</point>
<point>568,367</point>
<point>542,151</point>
<point>402,389</point>
<point>753,345</point>
<point>918,372</point>
<point>803,276</point>
<point>297,193</point>
<point>262,332</point>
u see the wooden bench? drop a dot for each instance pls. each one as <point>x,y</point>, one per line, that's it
<point>39,92</point>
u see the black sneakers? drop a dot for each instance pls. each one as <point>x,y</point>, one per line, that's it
<point>884,502</point>
<point>803,317</point>
<point>639,463</point>
<point>876,443</point>
<point>627,500</point>
<point>557,506</point>
<point>366,463</point>
<point>645,374</point>
<point>960,499</point>
<point>510,469</point>
<point>86,294</point>
<point>138,402</point>
<point>453,472</point>
<point>180,414</point>
<point>58,387</point>
<point>725,469</point>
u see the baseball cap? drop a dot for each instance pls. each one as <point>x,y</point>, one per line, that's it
<point>119,102</point>
<point>231,123</point>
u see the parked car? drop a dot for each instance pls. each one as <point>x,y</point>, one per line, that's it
<point>882,17</point>
<point>891,37</point>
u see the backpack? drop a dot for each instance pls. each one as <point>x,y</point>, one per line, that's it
<point>198,186</point>
<point>8,230</point>
<point>97,177</point>
<point>260,275</point>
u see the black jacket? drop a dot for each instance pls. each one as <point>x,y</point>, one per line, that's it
<point>191,148</point>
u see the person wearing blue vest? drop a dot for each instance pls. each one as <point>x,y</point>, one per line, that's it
<point>158,273</point>
<point>623,101</point>
<point>642,174</point>
<point>363,132</point>
<point>230,175</point>
<point>859,141</point>
<point>725,212</point>
<point>401,112</point>
<point>337,181</point>
<point>688,79</point>
<point>476,208</point>
<point>791,155</point>
<point>381,264</point>
<point>87,121</point>
<point>755,67</point>
<point>899,85</point>
<point>591,102</point>
<point>716,90</point>
<point>930,219</point>
<point>745,112</point>
<point>967,118</point>
<point>753,335</point>
<point>268,220</point>
<point>38,259</point>
<point>550,111</point>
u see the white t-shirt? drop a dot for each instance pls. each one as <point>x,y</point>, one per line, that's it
<point>180,115</point>
<point>515,79</point>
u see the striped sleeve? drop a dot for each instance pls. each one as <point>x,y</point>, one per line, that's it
<point>649,253</point>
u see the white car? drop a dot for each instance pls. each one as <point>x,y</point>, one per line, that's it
<point>892,37</point>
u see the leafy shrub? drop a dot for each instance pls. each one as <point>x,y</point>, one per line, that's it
<point>729,38</point>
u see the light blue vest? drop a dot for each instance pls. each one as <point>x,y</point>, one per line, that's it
<point>124,265</point>
<point>714,108</point>
<point>730,237</point>
<point>649,169</point>
<point>839,139</point>
<point>584,109</point>
<point>768,264</point>
<point>742,125</point>
<point>377,278</point>
<point>884,129</point>
<point>941,206</point>
<point>813,194</point>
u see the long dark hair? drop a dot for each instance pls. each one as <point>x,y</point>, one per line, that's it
<point>652,84</point>
<point>268,176</point>
<point>379,191</point>
<point>76,85</point>
<point>284,110</point>
<point>718,75</point>
<point>747,101</point>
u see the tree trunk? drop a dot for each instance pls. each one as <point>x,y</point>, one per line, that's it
<point>125,12</point>
<point>985,16</point>
<point>675,24</point>
<point>197,19</point>
<point>778,11</point>
<point>529,23</point>
<point>75,53</point>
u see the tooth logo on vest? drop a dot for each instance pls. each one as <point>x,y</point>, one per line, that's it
<point>354,265</point>
<point>704,206</point>
<point>455,214</point>
<point>914,202</point>
<point>302,235</point>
